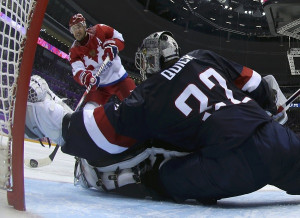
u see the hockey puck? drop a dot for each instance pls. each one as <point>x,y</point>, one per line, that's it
<point>33,163</point>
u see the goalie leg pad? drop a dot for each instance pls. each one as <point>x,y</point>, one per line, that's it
<point>120,174</point>
<point>44,112</point>
<point>45,119</point>
<point>31,129</point>
<point>88,176</point>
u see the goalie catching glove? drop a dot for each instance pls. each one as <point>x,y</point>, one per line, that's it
<point>279,99</point>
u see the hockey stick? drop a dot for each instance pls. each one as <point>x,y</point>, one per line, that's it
<point>90,86</point>
<point>34,163</point>
<point>290,100</point>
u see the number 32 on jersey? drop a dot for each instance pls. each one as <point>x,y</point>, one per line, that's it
<point>193,90</point>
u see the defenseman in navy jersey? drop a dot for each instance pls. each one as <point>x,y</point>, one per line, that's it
<point>211,107</point>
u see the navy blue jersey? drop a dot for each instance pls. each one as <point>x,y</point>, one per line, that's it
<point>201,101</point>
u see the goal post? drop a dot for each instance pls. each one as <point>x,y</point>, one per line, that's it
<point>20,23</point>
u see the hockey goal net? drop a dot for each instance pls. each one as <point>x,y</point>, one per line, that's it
<point>20,23</point>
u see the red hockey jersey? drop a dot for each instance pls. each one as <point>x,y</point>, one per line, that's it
<point>87,55</point>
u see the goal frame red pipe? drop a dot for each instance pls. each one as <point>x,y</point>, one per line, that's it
<point>16,197</point>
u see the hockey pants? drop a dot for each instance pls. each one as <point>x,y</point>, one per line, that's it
<point>270,156</point>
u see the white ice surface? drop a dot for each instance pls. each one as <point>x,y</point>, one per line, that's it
<point>50,193</point>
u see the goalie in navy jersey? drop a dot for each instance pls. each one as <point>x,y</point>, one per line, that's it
<point>211,108</point>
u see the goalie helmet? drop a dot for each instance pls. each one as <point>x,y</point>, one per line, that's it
<point>156,49</point>
<point>76,19</point>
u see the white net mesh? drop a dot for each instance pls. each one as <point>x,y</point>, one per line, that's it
<point>15,17</point>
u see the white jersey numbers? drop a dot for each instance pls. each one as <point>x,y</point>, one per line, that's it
<point>192,89</point>
<point>176,68</point>
<point>197,93</point>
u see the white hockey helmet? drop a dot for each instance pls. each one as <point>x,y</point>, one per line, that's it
<point>156,49</point>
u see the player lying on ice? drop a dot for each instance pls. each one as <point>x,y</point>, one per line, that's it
<point>201,103</point>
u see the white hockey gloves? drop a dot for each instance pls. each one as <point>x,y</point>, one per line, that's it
<point>45,112</point>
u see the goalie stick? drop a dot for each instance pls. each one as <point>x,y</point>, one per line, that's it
<point>34,163</point>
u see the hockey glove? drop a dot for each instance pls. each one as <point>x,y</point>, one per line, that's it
<point>88,79</point>
<point>111,51</point>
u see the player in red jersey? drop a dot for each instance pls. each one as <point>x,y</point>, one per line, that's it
<point>91,46</point>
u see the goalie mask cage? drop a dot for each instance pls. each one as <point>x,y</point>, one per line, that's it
<point>20,24</point>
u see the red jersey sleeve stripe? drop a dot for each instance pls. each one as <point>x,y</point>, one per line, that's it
<point>96,135</point>
<point>244,77</point>
<point>249,80</point>
<point>108,130</point>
